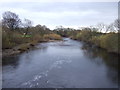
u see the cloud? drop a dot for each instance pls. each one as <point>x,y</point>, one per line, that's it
<point>72,14</point>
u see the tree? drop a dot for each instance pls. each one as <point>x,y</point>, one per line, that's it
<point>113,27</point>
<point>27,24</point>
<point>93,28</point>
<point>59,27</point>
<point>110,28</point>
<point>101,27</point>
<point>117,24</point>
<point>10,20</point>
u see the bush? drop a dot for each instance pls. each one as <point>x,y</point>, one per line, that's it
<point>52,37</point>
<point>37,38</point>
<point>11,39</point>
<point>95,40</point>
<point>84,35</point>
<point>109,42</point>
<point>6,40</point>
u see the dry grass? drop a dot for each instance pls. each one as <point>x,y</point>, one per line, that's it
<point>52,37</point>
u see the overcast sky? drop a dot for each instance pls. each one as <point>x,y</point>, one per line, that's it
<point>68,14</point>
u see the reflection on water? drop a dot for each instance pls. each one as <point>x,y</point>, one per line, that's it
<point>101,56</point>
<point>12,60</point>
<point>109,59</point>
<point>62,64</point>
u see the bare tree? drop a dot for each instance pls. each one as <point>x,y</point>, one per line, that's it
<point>27,24</point>
<point>110,28</point>
<point>93,28</point>
<point>101,26</point>
<point>114,27</point>
<point>59,27</point>
<point>10,20</point>
<point>117,24</point>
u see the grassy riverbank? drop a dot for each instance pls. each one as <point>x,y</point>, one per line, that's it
<point>13,42</point>
<point>108,41</point>
<point>12,38</point>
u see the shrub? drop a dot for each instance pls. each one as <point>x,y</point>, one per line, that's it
<point>95,40</point>
<point>84,35</point>
<point>52,37</point>
<point>37,38</point>
<point>109,42</point>
<point>6,40</point>
<point>12,38</point>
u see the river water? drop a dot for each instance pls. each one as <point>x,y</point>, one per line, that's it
<point>61,64</point>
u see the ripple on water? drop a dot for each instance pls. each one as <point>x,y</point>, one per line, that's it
<point>56,64</point>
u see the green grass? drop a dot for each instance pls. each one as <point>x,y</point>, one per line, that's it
<point>26,35</point>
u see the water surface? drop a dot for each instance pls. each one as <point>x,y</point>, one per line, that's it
<point>62,64</point>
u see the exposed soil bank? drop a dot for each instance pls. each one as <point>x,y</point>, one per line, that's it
<point>22,48</point>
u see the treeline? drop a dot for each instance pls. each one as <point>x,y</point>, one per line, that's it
<point>94,35</point>
<point>16,32</point>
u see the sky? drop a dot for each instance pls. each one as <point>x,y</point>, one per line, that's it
<point>72,13</point>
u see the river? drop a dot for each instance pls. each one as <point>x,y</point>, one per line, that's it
<point>61,64</point>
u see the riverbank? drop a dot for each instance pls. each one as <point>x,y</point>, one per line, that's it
<point>22,48</point>
<point>109,41</point>
<point>14,42</point>
<point>97,43</point>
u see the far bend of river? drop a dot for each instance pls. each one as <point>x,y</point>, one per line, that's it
<point>61,64</point>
